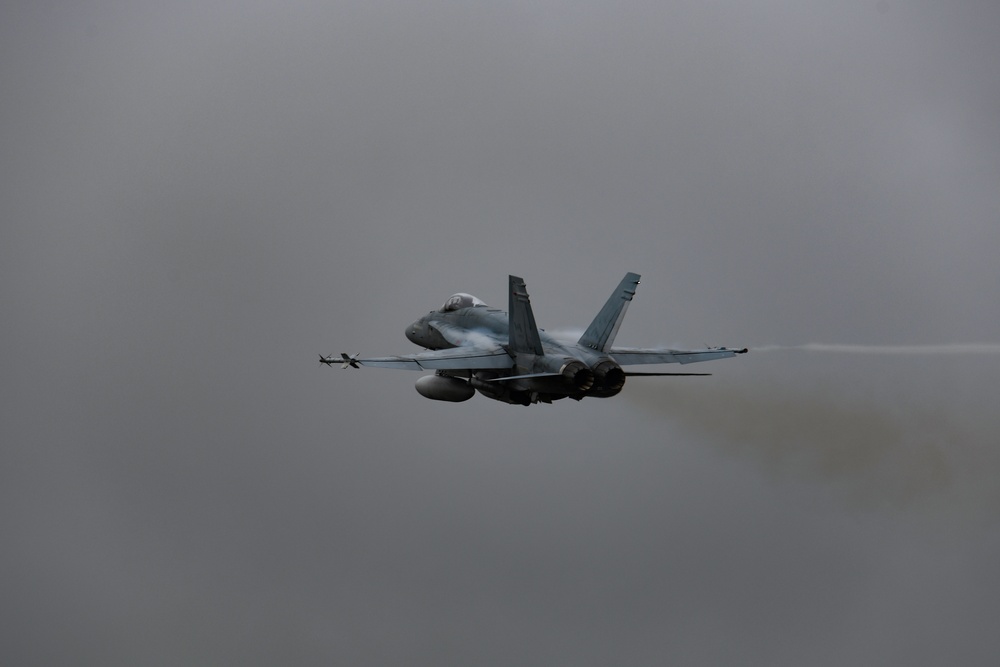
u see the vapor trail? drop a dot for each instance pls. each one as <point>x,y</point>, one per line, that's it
<point>947,348</point>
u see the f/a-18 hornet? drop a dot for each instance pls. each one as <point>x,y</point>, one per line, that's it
<point>506,357</point>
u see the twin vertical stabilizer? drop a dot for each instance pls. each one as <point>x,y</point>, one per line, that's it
<point>522,328</point>
<point>600,335</point>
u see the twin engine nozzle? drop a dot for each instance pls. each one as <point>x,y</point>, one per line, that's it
<point>605,376</point>
<point>605,379</point>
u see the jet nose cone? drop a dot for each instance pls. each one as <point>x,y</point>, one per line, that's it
<point>414,332</point>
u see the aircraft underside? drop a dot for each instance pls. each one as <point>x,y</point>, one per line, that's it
<point>455,387</point>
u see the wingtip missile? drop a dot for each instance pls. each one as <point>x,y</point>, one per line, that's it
<point>344,360</point>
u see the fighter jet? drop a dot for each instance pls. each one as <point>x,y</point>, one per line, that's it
<point>505,356</point>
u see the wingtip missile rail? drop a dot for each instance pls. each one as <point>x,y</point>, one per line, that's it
<point>344,360</point>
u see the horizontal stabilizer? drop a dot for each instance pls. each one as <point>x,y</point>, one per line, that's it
<point>639,375</point>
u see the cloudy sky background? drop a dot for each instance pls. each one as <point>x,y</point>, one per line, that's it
<point>197,198</point>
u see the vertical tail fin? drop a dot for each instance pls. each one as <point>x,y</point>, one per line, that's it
<point>522,328</point>
<point>602,331</point>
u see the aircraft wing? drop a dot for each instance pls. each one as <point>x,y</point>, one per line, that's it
<point>458,358</point>
<point>627,356</point>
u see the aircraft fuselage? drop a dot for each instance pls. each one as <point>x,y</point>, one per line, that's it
<point>572,370</point>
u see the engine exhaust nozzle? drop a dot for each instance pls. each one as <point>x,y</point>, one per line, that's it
<point>581,377</point>
<point>609,375</point>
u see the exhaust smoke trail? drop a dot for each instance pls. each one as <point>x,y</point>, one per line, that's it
<point>896,435</point>
<point>948,348</point>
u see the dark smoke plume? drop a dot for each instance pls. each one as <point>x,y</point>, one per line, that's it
<point>879,453</point>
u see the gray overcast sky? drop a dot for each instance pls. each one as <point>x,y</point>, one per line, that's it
<point>197,197</point>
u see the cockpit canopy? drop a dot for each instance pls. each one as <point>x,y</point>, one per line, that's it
<point>460,300</point>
